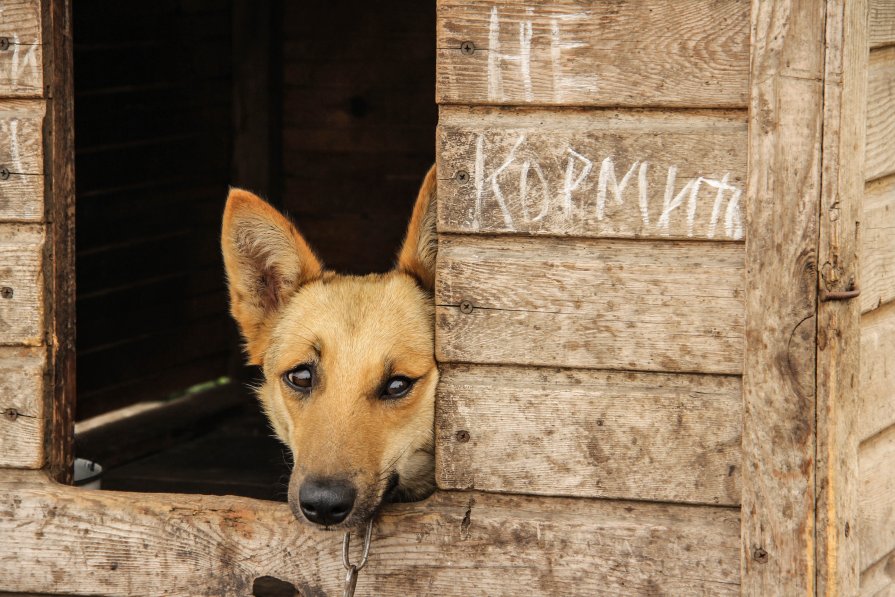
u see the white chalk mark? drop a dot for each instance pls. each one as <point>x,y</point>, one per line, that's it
<point>15,154</point>
<point>479,178</point>
<point>733,222</point>
<point>525,58</point>
<point>608,180</point>
<point>23,62</point>
<point>561,84</point>
<point>670,203</point>
<point>523,190</point>
<point>495,82</point>
<point>571,182</point>
<point>498,194</point>
<point>691,206</point>
<point>644,196</point>
<point>722,186</point>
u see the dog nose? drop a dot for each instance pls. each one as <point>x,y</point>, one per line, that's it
<point>326,501</point>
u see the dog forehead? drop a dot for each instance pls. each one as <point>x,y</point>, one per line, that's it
<point>370,314</point>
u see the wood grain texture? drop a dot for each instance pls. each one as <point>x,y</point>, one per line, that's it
<point>876,531</point>
<point>670,438</point>
<point>654,53</point>
<point>876,404</point>
<point>592,173</point>
<point>878,244</point>
<point>880,150</point>
<point>602,304</point>
<point>63,540</point>
<point>786,108</point>
<point>22,155</point>
<point>21,65</point>
<point>21,261</point>
<point>22,372</point>
<point>838,322</point>
<point>879,579</point>
<point>881,30</point>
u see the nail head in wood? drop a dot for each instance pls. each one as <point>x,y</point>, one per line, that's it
<point>462,176</point>
<point>11,414</point>
<point>6,292</point>
<point>466,307</point>
<point>462,436</point>
<point>4,44</point>
<point>760,555</point>
<point>4,173</point>
<point>467,47</point>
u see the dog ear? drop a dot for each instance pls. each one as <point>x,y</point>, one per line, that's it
<point>266,261</point>
<point>417,255</point>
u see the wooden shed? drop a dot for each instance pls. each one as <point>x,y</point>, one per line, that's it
<point>665,294</point>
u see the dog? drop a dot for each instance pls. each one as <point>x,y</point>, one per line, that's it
<point>348,363</point>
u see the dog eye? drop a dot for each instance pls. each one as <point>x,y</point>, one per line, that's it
<point>397,387</point>
<point>301,378</point>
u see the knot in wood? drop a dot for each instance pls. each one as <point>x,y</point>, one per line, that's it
<point>467,47</point>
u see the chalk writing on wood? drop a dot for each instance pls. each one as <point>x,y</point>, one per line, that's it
<point>533,187</point>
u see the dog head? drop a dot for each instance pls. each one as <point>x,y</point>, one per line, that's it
<point>349,371</point>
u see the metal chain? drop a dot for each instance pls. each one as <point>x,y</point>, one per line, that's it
<point>353,569</point>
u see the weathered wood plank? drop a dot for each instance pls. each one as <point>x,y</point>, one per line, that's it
<point>882,23</point>
<point>21,283</point>
<point>878,244</point>
<point>783,189</point>
<point>672,438</point>
<point>602,304</point>
<point>22,372</point>
<point>875,408</point>
<point>21,60</point>
<point>838,322</point>
<point>21,160</point>
<point>567,52</point>
<point>880,149</point>
<point>62,540</point>
<point>592,173</point>
<point>876,527</point>
<point>879,579</point>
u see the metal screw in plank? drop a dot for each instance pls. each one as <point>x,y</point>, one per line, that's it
<point>760,555</point>
<point>462,176</point>
<point>467,47</point>
<point>11,414</point>
<point>462,436</point>
<point>6,292</point>
<point>4,173</point>
<point>4,44</point>
<point>466,307</point>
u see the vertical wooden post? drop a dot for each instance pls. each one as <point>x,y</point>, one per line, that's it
<point>60,254</point>
<point>838,324</point>
<point>785,126</point>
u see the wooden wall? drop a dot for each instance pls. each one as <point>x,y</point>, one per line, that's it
<point>153,150</point>
<point>876,414</point>
<point>358,116</point>
<point>591,272</point>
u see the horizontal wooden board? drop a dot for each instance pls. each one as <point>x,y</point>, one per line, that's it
<point>879,579</point>
<point>882,23</point>
<point>880,149</point>
<point>878,244</point>
<point>572,52</point>
<point>22,372</point>
<point>600,173</point>
<point>453,544</point>
<point>21,261</point>
<point>21,155</point>
<point>602,304</point>
<point>876,523</point>
<point>646,436</point>
<point>876,405</point>
<point>21,64</point>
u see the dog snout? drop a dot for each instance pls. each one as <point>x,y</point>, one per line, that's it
<point>326,501</point>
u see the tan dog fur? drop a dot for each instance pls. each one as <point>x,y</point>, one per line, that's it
<point>357,331</point>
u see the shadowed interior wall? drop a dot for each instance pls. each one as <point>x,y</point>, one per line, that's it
<point>359,117</point>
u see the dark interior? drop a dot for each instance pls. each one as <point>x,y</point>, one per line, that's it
<point>326,111</point>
